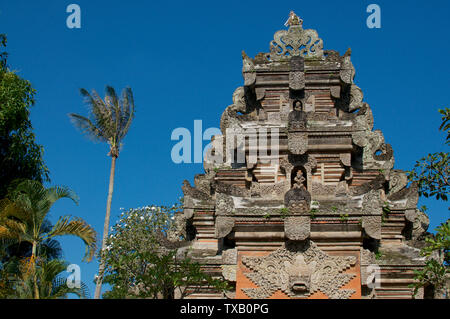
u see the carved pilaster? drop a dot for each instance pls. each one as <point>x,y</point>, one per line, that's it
<point>297,227</point>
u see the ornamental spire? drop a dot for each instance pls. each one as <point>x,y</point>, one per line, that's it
<point>293,20</point>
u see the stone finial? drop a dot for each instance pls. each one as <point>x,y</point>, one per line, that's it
<point>293,20</point>
<point>295,41</point>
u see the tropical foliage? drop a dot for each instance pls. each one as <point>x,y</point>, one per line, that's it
<point>109,121</point>
<point>432,172</point>
<point>24,219</point>
<point>140,262</point>
<point>20,156</point>
<point>432,176</point>
<point>436,271</point>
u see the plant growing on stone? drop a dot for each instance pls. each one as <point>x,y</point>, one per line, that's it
<point>313,213</point>
<point>284,212</point>
<point>109,121</point>
<point>140,262</point>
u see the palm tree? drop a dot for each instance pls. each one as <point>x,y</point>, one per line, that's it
<point>51,284</point>
<point>109,121</point>
<point>23,217</point>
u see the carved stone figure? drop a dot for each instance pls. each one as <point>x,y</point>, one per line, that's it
<point>299,271</point>
<point>291,220</point>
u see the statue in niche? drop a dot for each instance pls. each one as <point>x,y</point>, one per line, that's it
<point>297,118</point>
<point>299,180</point>
<point>298,199</point>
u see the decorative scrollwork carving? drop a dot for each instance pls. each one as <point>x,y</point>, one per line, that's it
<point>397,181</point>
<point>297,227</point>
<point>296,42</point>
<point>224,204</point>
<point>299,270</point>
<point>297,142</point>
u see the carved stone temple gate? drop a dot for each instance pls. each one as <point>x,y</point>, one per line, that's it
<point>327,216</point>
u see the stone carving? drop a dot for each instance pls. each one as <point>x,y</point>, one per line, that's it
<point>276,190</point>
<point>229,117</point>
<point>356,97</point>
<point>296,80</point>
<point>297,227</point>
<point>229,256</point>
<point>231,189</point>
<point>410,194</point>
<point>188,190</point>
<point>296,42</point>
<point>371,204</point>
<point>376,183</point>
<point>420,224</point>
<point>372,226</point>
<point>335,92</point>
<point>224,225</point>
<point>299,270</point>
<point>397,181</point>
<point>248,70</point>
<point>346,159</point>
<point>293,88</point>
<point>224,204</point>
<point>332,56</point>
<point>229,272</point>
<point>297,142</point>
<point>298,199</point>
<point>347,72</point>
<point>178,229</point>
<point>367,257</point>
<point>319,189</point>
<point>297,75</point>
<point>410,215</point>
<point>363,121</point>
<point>297,120</point>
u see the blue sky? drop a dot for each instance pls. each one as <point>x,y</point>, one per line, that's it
<point>183,61</point>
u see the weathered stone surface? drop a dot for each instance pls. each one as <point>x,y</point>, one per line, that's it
<point>297,227</point>
<point>299,270</point>
<point>331,180</point>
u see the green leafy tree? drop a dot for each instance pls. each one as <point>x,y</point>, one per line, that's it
<point>142,263</point>
<point>432,176</point>
<point>432,172</point>
<point>20,156</point>
<point>436,272</point>
<point>23,217</point>
<point>109,121</point>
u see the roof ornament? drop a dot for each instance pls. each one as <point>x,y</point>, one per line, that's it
<point>293,19</point>
<point>295,41</point>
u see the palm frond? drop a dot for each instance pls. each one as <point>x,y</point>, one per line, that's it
<point>88,128</point>
<point>109,119</point>
<point>61,289</point>
<point>76,227</point>
<point>57,192</point>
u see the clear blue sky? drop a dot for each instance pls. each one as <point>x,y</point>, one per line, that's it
<point>183,61</point>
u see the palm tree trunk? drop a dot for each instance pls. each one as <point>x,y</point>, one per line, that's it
<point>98,287</point>
<point>33,264</point>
